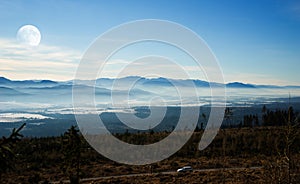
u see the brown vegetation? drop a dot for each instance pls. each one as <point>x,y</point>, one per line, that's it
<point>273,150</point>
<point>42,159</point>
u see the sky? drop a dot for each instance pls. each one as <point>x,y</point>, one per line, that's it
<point>254,41</point>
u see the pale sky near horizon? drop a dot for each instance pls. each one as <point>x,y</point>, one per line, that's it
<point>255,41</point>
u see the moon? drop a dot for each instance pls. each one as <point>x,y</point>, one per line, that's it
<point>29,35</point>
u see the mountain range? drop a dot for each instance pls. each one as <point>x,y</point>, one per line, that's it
<point>108,82</point>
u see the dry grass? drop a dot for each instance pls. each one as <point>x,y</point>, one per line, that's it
<point>40,160</point>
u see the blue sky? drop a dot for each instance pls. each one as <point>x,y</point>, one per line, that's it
<point>255,41</point>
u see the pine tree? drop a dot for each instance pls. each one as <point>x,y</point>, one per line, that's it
<point>7,154</point>
<point>71,150</point>
<point>228,116</point>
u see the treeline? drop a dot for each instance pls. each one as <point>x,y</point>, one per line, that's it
<point>267,117</point>
<point>279,117</point>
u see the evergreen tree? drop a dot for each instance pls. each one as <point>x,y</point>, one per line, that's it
<point>71,150</point>
<point>6,150</point>
<point>228,116</point>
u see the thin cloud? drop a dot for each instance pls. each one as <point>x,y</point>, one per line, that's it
<point>147,67</point>
<point>20,62</point>
<point>56,63</point>
<point>261,79</point>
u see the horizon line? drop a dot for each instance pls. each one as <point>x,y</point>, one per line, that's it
<point>111,78</point>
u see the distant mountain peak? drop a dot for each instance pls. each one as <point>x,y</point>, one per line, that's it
<point>4,80</point>
<point>239,85</point>
<point>48,81</point>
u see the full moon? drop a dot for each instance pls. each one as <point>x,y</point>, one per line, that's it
<point>29,35</point>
